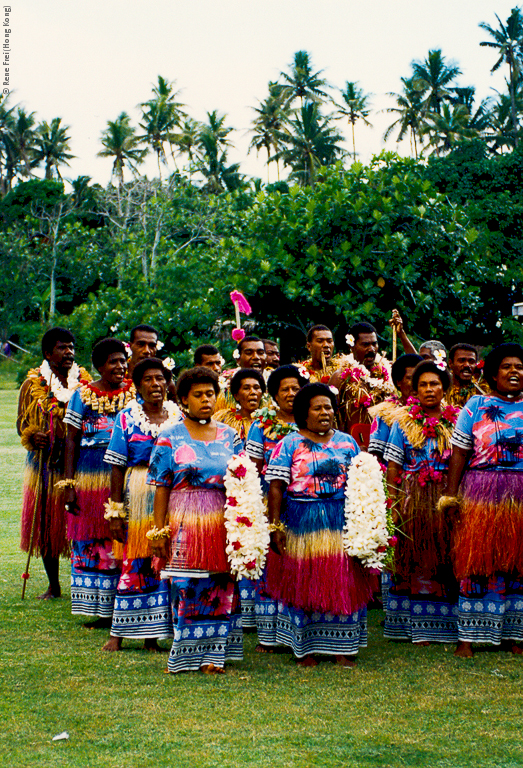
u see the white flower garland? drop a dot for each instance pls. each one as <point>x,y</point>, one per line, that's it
<point>365,534</point>
<point>245,520</point>
<point>140,418</point>
<point>384,384</point>
<point>62,394</point>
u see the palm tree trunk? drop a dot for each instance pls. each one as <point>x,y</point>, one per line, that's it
<point>513,105</point>
<point>353,141</point>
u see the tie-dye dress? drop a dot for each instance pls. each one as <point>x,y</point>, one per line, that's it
<point>322,593</point>
<point>204,595</point>
<point>142,605</point>
<point>488,536</point>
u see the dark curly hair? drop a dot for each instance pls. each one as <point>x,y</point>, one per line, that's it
<point>494,359</point>
<point>197,375</point>
<point>303,399</point>
<point>246,373</point>
<point>429,366</point>
<point>284,372</point>
<point>399,368</point>
<point>52,336</point>
<point>102,349</point>
<point>145,365</point>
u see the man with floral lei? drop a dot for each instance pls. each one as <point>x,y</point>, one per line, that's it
<point>44,396</point>
<point>463,360</point>
<point>320,366</point>
<point>363,379</point>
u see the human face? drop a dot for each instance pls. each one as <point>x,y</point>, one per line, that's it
<point>286,393</point>
<point>253,355</point>
<point>273,355</point>
<point>321,341</point>
<point>462,366</point>
<point>405,384</point>
<point>365,349</point>
<point>321,414</point>
<point>153,386</point>
<point>430,391</point>
<point>509,379</point>
<point>201,401</point>
<point>214,362</point>
<point>143,345</point>
<point>61,358</point>
<point>112,372</point>
<point>249,396</point>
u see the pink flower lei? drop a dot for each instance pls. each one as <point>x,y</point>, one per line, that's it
<point>430,424</point>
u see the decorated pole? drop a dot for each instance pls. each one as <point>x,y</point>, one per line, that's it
<point>240,305</point>
<point>394,343</point>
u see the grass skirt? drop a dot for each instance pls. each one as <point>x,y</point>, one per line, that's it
<point>315,574</point>
<point>93,484</point>
<point>50,531</point>
<point>488,538</point>
<point>207,620</point>
<point>198,530</point>
<point>138,503</point>
<point>94,578</point>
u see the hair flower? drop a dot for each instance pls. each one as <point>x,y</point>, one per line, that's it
<point>349,338</point>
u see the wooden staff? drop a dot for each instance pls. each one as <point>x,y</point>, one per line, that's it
<point>394,343</point>
<point>38,497</point>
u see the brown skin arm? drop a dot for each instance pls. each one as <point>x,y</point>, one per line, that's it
<point>117,480</point>
<point>258,463</point>
<point>161,503</point>
<point>72,448</point>
<point>393,471</point>
<point>276,491</point>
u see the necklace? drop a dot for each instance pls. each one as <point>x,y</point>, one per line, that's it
<point>199,421</point>
<point>148,427</point>
<point>61,393</point>
<point>111,401</point>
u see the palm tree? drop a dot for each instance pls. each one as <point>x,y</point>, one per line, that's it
<point>480,115</point>
<point>508,41</point>
<point>432,78</point>
<point>121,142</point>
<point>355,106</point>
<point>22,139</point>
<point>409,109</point>
<point>500,123</point>
<point>161,115</point>
<point>310,142</point>
<point>7,155</point>
<point>271,116</point>
<point>449,127</point>
<point>187,138</point>
<point>52,145</point>
<point>302,82</point>
<point>213,143</point>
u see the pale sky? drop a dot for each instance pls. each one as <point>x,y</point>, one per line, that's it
<point>88,60</point>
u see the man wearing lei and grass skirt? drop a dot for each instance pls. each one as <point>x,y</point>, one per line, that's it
<point>463,361</point>
<point>363,379</point>
<point>41,409</point>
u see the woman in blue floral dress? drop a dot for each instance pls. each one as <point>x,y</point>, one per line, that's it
<point>187,468</point>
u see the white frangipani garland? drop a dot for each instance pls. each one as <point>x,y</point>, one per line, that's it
<point>62,394</point>
<point>245,520</point>
<point>366,534</point>
<point>140,418</point>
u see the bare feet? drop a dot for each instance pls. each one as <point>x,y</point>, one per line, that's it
<point>113,644</point>
<point>260,648</point>
<point>346,661</point>
<point>464,650</point>
<point>49,595</point>
<point>510,646</point>
<point>151,645</point>
<point>212,669</point>
<point>307,661</point>
<point>422,644</point>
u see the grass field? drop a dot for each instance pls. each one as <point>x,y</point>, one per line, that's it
<point>402,706</point>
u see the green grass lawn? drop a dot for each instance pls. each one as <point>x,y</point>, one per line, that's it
<point>402,706</point>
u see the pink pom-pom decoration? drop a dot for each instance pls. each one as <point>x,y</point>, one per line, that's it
<point>25,576</point>
<point>239,299</point>
<point>238,334</point>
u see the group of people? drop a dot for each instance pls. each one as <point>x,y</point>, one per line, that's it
<point>126,474</point>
